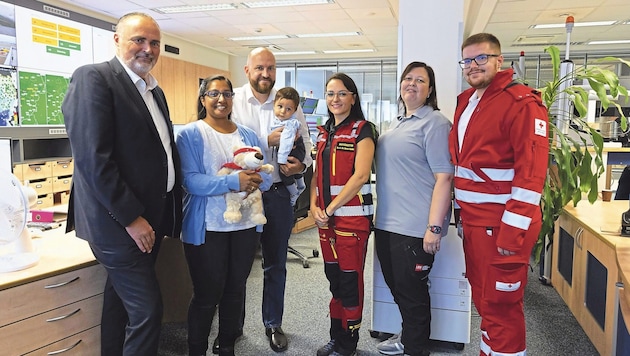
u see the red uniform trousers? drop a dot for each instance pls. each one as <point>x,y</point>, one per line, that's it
<point>498,284</point>
<point>344,257</point>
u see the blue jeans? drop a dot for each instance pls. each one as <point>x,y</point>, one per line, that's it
<point>274,241</point>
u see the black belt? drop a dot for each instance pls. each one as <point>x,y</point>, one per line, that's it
<point>277,185</point>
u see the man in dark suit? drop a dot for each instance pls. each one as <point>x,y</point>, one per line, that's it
<point>126,193</point>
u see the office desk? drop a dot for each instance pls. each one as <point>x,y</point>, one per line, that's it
<point>585,272</point>
<point>56,304</point>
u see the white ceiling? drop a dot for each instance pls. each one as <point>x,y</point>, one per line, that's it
<point>377,20</point>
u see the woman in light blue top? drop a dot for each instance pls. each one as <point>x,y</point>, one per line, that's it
<point>219,254</point>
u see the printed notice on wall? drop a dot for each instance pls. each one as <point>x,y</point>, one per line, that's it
<point>51,43</point>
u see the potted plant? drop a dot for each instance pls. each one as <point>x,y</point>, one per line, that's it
<point>573,170</point>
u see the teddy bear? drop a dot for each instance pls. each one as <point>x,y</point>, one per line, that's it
<point>248,204</point>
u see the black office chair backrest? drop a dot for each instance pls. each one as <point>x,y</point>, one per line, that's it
<point>623,188</point>
<point>303,204</point>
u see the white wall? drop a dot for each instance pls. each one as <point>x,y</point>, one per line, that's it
<point>431,32</point>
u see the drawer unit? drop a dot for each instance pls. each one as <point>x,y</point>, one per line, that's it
<point>52,326</point>
<point>62,167</point>
<point>45,201</point>
<point>61,312</point>
<point>48,179</point>
<point>50,293</point>
<point>36,170</point>
<point>17,172</point>
<point>84,343</point>
<point>61,184</point>
<point>62,198</point>
<point>42,186</point>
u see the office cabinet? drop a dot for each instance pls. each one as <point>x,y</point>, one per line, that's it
<point>584,269</point>
<point>449,290</point>
<point>54,313</point>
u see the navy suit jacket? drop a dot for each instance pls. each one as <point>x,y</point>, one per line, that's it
<point>120,170</point>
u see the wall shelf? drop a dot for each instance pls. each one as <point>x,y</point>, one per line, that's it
<point>37,143</point>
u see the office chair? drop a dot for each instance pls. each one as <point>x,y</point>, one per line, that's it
<point>300,211</point>
<point>623,188</point>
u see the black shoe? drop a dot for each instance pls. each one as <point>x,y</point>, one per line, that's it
<point>326,349</point>
<point>226,351</point>
<point>215,344</point>
<point>277,340</point>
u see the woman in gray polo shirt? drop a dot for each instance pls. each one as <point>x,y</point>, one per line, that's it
<point>413,188</point>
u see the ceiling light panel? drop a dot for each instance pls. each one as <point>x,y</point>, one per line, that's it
<point>275,3</point>
<point>350,51</point>
<point>293,53</point>
<point>609,42</point>
<point>333,34</point>
<point>258,38</point>
<point>577,24</point>
<point>194,8</point>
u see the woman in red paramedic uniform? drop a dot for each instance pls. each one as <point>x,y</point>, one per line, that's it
<point>341,204</point>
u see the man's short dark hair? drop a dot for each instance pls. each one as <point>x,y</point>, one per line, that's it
<point>482,38</point>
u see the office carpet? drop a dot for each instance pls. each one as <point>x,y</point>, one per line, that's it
<point>551,328</point>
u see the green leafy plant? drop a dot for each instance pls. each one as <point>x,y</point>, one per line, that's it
<point>573,169</point>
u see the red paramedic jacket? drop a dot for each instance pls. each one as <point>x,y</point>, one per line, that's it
<point>501,168</point>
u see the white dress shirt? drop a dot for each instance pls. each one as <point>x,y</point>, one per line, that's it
<point>145,90</point>
<point>248,111</point>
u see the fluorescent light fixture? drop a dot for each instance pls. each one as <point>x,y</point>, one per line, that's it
<point>333,34</point>
<point>259,38</point>
<point>350,51</point>
<point>279,53</point>
<point>608,42</point>
<point>194,8</point>
<point>274,3</point>
<point>577,24</point>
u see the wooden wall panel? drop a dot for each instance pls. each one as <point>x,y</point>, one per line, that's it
<point>192,91</point>
<point>180,82</point>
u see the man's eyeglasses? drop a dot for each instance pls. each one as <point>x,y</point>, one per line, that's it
<point>341,94</point>
<point>215,94</point>
<point>480,59</point>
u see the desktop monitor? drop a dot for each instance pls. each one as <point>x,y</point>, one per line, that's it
<point>309,105</point>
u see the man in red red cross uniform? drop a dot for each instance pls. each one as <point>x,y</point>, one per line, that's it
<point>499,147</point>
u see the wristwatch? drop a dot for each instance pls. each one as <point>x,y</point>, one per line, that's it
<point>434,229</point>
